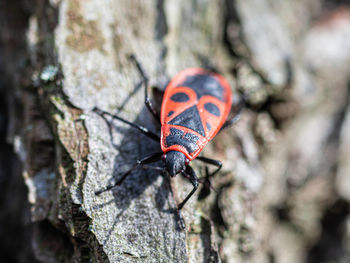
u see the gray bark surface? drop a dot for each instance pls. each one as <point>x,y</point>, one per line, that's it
<point>283,193</point>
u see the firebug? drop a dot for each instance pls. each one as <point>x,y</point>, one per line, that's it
<point>195,107</point>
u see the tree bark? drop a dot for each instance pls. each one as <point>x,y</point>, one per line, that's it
<point>285,162</point>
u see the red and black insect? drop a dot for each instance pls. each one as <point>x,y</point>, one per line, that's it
<point>195,106</point>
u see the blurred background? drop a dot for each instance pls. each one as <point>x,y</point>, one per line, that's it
<point>284,194</point>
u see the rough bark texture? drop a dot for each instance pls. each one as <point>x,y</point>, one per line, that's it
<point>283,193</point>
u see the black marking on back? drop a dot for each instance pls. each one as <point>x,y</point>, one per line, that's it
<point>204,85</point>
<point>191,137</point>
<point>170,113</point>
<point>189,118</point>
<point>212,108</point>
<point>180,97</point>
<point>208,126</point>
<point>176,137</point>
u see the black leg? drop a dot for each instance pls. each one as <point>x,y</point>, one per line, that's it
<point>142,129</point>
<point>237,115</point>
<point>230,122</point>
<point>149,159</point>
<point>148,101</point>
<point>216,163</point>
<point>191,175</point>
<point>205,180</point>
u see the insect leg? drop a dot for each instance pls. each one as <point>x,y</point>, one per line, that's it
<point>231,121</point>
<point>142,129</point>
<point>237,115</point>
<point>148,101</point>
<point>191,175</point>
<point>216,163</point>
<point>205,180</point>
<point>149,159</point>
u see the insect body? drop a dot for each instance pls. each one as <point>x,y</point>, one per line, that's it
<point>195,105</point>
<point>194,109</point>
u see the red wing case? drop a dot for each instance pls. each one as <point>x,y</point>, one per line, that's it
<point>195,105</point>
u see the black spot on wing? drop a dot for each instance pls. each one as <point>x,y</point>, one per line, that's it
<point>191,119</point>
<point>180,97</point>
<point>170,113</point>
<point>212,108</point>
<point>204,85</point>
<point>176,138</point>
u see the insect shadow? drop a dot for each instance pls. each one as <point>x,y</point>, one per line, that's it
<point>133,146</point>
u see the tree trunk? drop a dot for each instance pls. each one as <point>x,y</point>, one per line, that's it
<point>283,193</point>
